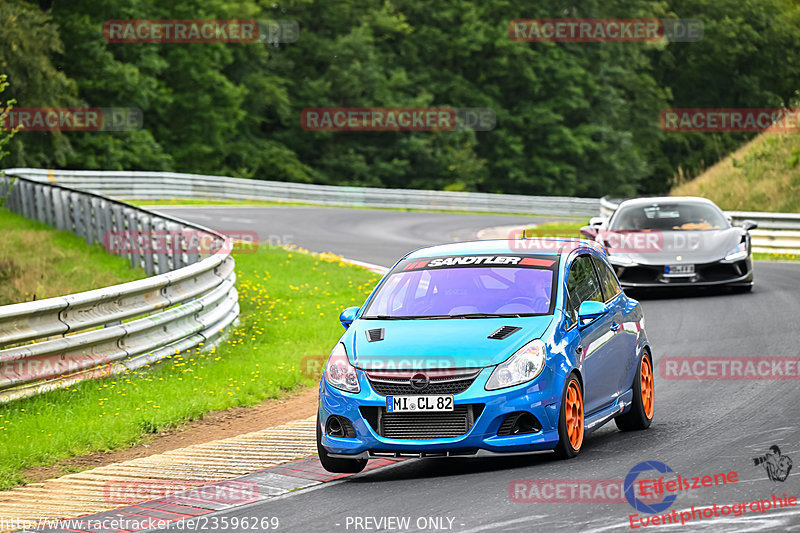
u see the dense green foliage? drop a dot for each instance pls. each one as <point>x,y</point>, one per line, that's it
<point>572,118</point>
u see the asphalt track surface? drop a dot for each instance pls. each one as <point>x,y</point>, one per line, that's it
<point>700,427</point>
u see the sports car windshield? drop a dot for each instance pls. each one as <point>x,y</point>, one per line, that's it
<point>669,217</point>
<point>465,287</point>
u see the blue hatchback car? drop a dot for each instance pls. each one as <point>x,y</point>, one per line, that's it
<point>502,346</point>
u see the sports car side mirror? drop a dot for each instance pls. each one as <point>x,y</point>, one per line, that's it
<point>747,225</point>
<point>348,315</point>
<point>592,229</point>
<point>588,311</point>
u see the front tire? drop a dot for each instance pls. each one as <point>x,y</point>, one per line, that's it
<point>570,420</point>
<point>644,398</point>
<point>335,464</point>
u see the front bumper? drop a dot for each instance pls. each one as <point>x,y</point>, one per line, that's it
<point>536,397</point>
<point>717,273</point>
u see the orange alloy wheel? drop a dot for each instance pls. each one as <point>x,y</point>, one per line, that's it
<point>648,388</point>
<point>574,412</point>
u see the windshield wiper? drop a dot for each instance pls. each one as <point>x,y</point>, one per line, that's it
<point>390,317</point>
<point>440,317</point>
<point>484,315</point>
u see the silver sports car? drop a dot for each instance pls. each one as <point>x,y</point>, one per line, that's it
<point>675,241</point>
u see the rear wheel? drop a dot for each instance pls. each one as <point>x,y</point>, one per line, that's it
<point>570,420</point>
<point>335,464</point>
<point>644,398</point>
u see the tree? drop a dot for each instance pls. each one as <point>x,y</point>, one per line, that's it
<point>7,131</point>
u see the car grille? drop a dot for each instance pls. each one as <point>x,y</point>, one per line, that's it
<point>639,274</point>
<point>441,382</point>
<point>422,425</point>
<point>721,271</point>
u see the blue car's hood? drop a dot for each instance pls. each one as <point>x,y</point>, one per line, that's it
<point>446,343</point>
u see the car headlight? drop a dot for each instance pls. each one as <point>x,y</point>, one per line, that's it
<point>523,366</point>
<point>738,253</point>
<point>619,259</point>
<point>339,372</point>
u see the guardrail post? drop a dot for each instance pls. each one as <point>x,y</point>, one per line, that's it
<point>77,215</point>
<point>69,211</point>
<point>25,199</point>
<point>92,208</point>
<point>135,233</point>
<point>38,203</point>
<point>59,202</point>
<point>148,253</point>
<point>162,258</point>
<point>49,208</point>
<point>103,219</point>
<point>176,245</point>
<point>118,227</point>
<point>86,208</point>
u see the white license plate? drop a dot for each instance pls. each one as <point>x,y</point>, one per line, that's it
<point>404,404</point>
<point>679,270</point>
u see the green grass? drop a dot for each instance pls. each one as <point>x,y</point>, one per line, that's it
<point>556,229</point>
<point>38,262</point>
<point>763,175</point>
<point>290,303</point>
<point>775,257</point>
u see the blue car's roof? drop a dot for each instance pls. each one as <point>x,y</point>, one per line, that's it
<point>534,245</point>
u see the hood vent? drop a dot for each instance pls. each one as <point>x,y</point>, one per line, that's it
<point>374,335</point>
<point>504,332</point>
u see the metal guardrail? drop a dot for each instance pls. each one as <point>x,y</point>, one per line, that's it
<point>56,342</point>
<point>164,185</point>
<point>775,234</point>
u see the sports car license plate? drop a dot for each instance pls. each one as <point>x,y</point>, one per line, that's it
<point>398,404</point>
<point>679,270</point>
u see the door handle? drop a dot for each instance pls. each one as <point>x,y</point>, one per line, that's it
<point>579,350</point>
<point>615,326</point>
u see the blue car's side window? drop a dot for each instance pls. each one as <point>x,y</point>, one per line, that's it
<point>582,286</point>
<point>608,280</point>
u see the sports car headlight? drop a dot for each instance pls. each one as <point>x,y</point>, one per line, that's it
<point>523,366</point>
<point>738,253</point>
<point>619,259</point>
<point>339,372</point>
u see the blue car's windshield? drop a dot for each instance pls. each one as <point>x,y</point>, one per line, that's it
<point>466,287</point>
